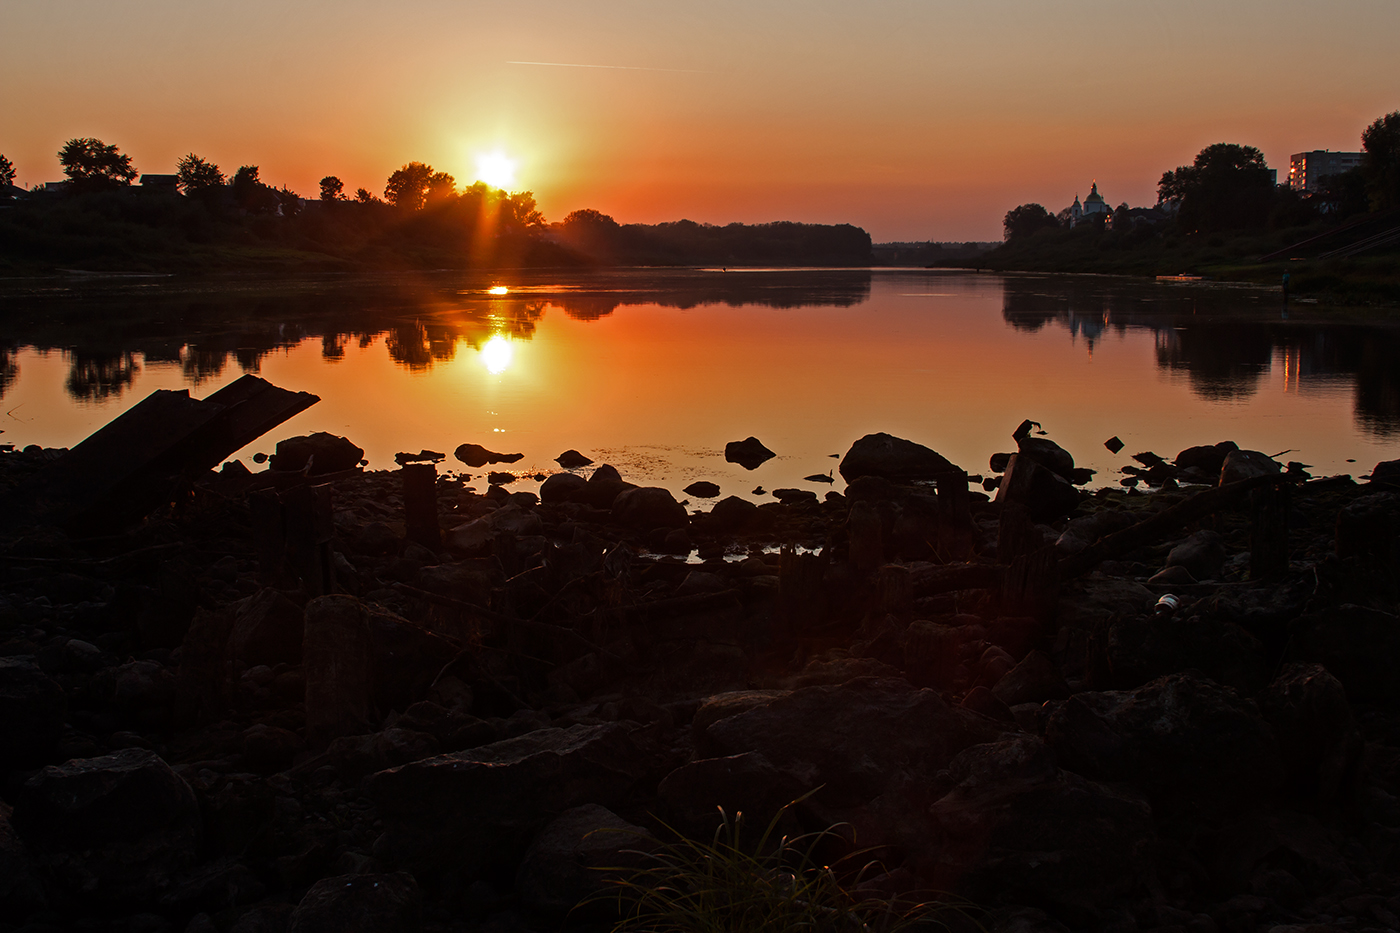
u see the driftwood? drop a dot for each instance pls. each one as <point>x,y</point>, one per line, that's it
<point>127,468</point>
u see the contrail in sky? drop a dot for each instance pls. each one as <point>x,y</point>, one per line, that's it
<point>689,71</point>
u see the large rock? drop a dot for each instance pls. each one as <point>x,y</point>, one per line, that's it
<point>603,487</point>
<point>732,514</point>
<point>20,889</point>
<point>748,453</point>
<point>1045,494</point>
<point>114,829</point>
<point>1088,529</point>
<point>336,654</point>
<point>1360,646</point>
<point>373,903</point>
<point>1203,554</point>
<point>695,793</point>
<point>1034,680</point>
<point>32,710</point>
<point>474,455</point>
<point>892,458</point>
<point>1048,454</point>
<point>562,487</point>
<point>852,738</point>
<point>571,460</point>
<point>480,807</point>
<point>1143,647</point>
<point>267,629</point>
<point>1247,464</point>
<point>1015,828</point>
<point>646,507</point>
<point>326,453</point>
<point>1198,749</point>
<point>1321,747</point>
<point>1370,526</point>
<point>1208,458</point>
<point>567,862</point>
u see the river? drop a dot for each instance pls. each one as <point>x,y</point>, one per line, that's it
<point>654,371</point>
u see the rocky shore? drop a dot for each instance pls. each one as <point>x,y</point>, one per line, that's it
<point>300,700</point>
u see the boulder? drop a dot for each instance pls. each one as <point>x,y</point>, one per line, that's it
<point>748,453</point>
<point>1034,680</point>
<point>1203,554</point>
<point>479,808</point>
<point>1197,749</point>
<point>1247,464</point>
<point>32,710</point>
<point>795,496</point>
<point>474,455</point>
<point>336,653</point>
<point>114,829</point>
<point>326,453</point>
<point>1358,645</point>
<point>604,486</point>
<point>747,783</point>
<point>723,705</point>
<point>702,489</point>
<point>562,487</point>
<point>370,903</point>
<point>567,861</point>
<point>1045,494</point>
<point>1048,454</point>
<point>851,738</point>
<point>1208,458</point>
<point>1142,647</point>
<point>1087,529</point>
<point>571,460</point>
<point>892,458</point>
<point>1014,828</point>
<point>20,889</point>
<point>732,514</point>
<point>267,629</point>
<point>1318,740</point>
<point>1369,525</point>
<point>645,507</point>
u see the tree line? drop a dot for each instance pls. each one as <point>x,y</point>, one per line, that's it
<point>1230,188</point>
<point>423,219</point>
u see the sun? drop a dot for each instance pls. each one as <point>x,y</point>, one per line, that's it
<point>496,169</point>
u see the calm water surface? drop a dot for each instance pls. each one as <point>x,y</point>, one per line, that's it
<point>655,372</point>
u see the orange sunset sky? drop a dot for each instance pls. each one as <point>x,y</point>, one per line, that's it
<point>916,119</point>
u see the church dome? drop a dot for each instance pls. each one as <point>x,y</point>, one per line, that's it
<point>1094,197</point>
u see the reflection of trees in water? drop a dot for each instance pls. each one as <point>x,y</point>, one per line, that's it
<point>418,345</point>
<point>9,368</point>
<point>98,376</point>
<point>1221,362</point>
<point>1219,341</point>
<point>200,364</point>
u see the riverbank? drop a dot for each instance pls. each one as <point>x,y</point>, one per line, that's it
<point>291,698</point>
<point>1367,279</point>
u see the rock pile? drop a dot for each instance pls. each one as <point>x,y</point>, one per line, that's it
<point>214,722</point>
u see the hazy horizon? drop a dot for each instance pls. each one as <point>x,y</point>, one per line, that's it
<point>916,121</point>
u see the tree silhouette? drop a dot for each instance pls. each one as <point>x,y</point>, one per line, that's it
<point>250,194</point>
<point>1025,220</point>
<point>407,187</point>
<point>7,171</point>
<point>1228,187</point>
<point>1380,161</point>
<point>197,175</point>
<point>332,189</point>
<point>92,165</point>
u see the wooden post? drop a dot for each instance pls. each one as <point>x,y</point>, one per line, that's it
<point>1031,586</point>
<point>955,528</point>
<point>802,589</point>
<point>1268,532</point>
<point>1016,533</point>
<point>867,546</point>
<point>420,505</point>
<point>306,512</point>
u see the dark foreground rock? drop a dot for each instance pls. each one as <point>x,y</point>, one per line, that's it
<point>748,453</point>
<point>316,454</point>
<point>892,458</point>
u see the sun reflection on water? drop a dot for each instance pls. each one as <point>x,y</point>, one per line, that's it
<point>498,290</point>
<point>496,354</point>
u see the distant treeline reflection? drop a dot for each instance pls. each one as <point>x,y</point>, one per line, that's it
<point>108,338</point>
<point>1224,355</point>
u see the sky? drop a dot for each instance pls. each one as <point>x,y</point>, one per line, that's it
<point>915,119</point>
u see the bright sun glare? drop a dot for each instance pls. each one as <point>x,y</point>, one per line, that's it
<point>496,169</point>
<point>496,354</point>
